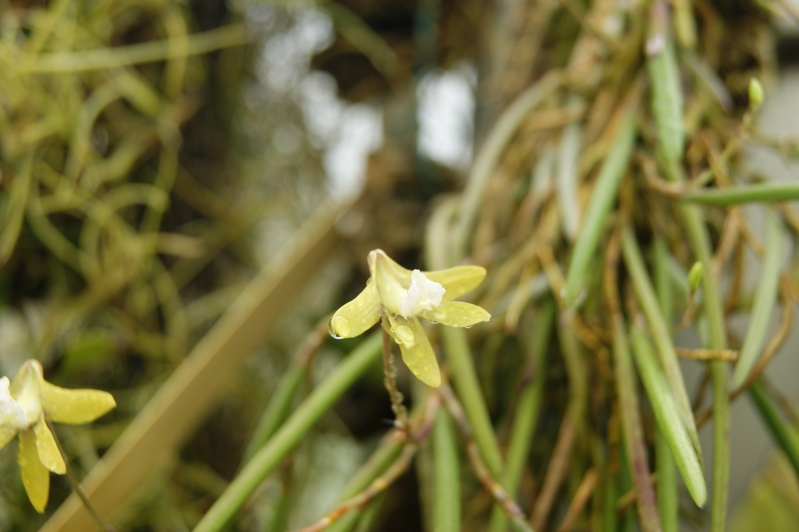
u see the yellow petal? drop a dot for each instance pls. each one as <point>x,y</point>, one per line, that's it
<point>35,476</point>
<point>458,280</point>
<point>417,353</point>
<point>74,406</point>
<point>391,267</point>
<point>358,315</point>
<point>457,314</point>
<point>26,388</point>
<point>48,451</point>
<point>28,377</point>
<point>390,279</point>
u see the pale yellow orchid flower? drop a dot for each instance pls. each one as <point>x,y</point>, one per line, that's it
<point>400,296</point>
<point>25,407</point>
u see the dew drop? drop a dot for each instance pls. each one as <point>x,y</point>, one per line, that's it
<point>405,335</point>
<point>339,327</point>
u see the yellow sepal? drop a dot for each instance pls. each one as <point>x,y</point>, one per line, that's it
<point>358,315</point>
<point>457,314</point>
<point>417,353</point>
<point>35,477</point>
<point>458,280</point>
<point>74,406</point>
<point>47,449</point>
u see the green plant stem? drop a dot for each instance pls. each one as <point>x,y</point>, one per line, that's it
<point>465,380</point>
<point>736,195</point>
<point>667,489</point>
<point>765,298</point>
<point>527,410</point>
<point>291,433</point>
<point>607,186</point>
<point>784,435</point>
<point>446,465</point>
<point>714,314</point>
<point>632,432</point>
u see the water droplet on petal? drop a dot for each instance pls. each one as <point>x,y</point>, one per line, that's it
<point>339,327</point>
<point>404,334</point>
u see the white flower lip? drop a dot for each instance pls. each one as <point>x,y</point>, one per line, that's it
<point>423,294</point>
<point>10,411</point>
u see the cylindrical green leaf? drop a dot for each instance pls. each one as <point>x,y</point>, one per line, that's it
<point>667,101</point>
<point>605,191</point>
<point>632,431</point>
<point>660,333</point>
<point>736,195</point>
<point>667,416</point>
<point>446,464</point>
<point>765,297</point>
<point>784,435</point>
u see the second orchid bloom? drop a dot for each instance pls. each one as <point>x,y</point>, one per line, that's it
<point>26,406</point>
<point>400,297</point>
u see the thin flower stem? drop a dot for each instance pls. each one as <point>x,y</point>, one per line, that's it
<point>73,482</point>
<point>390,381</point>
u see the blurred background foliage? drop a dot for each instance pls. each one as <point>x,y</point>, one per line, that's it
<point>156,154</point>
